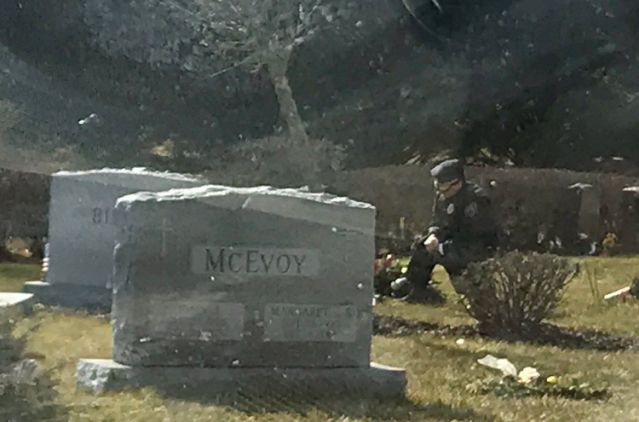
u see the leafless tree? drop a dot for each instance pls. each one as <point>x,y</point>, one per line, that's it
<point>262,34</point>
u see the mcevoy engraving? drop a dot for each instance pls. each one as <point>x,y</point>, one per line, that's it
<point>254,261</point>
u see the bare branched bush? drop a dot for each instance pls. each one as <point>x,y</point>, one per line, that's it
<point>511,295</point>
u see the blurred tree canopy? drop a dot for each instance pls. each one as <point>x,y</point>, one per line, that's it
<point>547,83</point>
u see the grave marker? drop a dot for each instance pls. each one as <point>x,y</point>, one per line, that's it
<point>255,283</point>
<point>83,224</point>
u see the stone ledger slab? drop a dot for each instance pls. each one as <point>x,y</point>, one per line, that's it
<point>97,376</point>
<point>82,229</point>
<point>15,304</point>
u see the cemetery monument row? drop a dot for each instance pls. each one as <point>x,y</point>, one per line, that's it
<point>82,229</point>
<point>243,286</point>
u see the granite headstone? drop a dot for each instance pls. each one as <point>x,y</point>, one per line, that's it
<point>239,284</point>
<point>82,230</point>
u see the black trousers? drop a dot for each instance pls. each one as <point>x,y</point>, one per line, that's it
<point>455,260</point>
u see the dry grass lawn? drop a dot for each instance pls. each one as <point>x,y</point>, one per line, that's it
<point>439,369</point>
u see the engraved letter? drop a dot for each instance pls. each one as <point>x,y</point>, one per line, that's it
<point>97,215</point>
<point>231,257</point>
<point>299,260</point>
<point>267,265</point>
<point>251,258</point>
<point>211,265</point>
<point>283,263</point>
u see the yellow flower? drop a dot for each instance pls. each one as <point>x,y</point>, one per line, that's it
<point>552,379</point>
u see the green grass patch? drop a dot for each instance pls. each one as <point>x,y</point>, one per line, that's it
<point>13,276</point>
<point>440,369</point>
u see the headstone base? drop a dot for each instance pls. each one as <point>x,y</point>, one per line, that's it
<point>99,375</point>
<point>97,299</point>
<point>15,304</point>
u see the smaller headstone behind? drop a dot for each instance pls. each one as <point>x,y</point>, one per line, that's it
<point>243,286</point>
<point>590,205</point>
<point>82,229</point>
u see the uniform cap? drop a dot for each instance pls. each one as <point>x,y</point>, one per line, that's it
<point>448,171</point>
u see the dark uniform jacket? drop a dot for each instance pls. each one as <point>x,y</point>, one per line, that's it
<point>465,220</point>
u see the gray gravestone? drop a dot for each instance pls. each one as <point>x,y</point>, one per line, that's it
<point>82,231</point>
<point>230,284</point>
<point>589,203</point>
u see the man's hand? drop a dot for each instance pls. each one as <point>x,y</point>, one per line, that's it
<point>431,243</point>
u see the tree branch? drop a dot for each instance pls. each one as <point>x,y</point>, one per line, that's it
<point>236,65</point>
